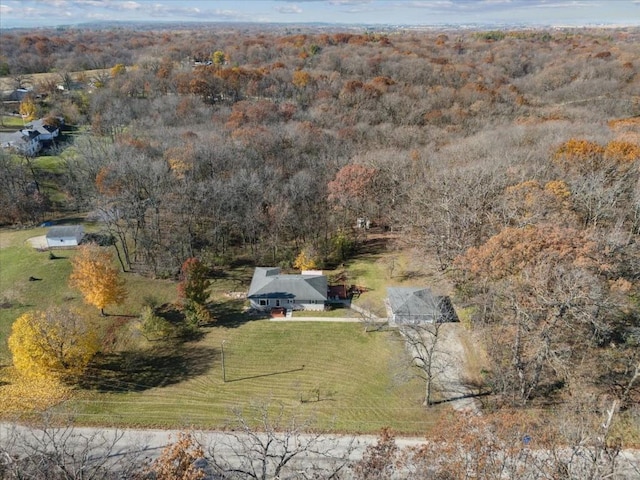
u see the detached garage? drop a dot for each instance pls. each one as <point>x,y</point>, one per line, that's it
<point>69,236</point>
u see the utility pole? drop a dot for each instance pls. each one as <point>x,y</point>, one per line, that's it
<point>224,371</point>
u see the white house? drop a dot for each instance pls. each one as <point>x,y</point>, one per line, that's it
<point>46,131</point>
<point>270,289</point>
<point>30,140</point>
<point>65,236</point>
<point>26,142</point>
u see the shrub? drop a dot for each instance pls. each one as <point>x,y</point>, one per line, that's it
<point>153,326</point>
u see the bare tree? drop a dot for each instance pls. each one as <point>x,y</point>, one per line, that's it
<point>50,452</point>
<point>380,460</point>
<point>264,444</point>
<point>513,445</point>
<point>367,312</point>
<point>423,342</point>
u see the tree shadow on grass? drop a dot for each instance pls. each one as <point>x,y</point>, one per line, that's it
<point>136,371</point>
<point>460,397</point>
<point>238,279</point>
<point>367,249</point>
<point>261,375</point>
<point>68,221</point>
<point>372,246</point>
<point>229,314</point>
<point>410,275</point>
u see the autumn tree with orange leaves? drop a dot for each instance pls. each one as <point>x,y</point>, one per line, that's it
<point>531,202</point>
<point>178,460</point>
<point>602,180</point>
<point>300,78</point>
<point>503,444</point>
<point>96,277</point>
<point>545,302</point>
<point>380,460</point>
<point>352,191</point>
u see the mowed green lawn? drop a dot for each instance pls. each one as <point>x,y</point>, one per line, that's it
<point>19,261</point>
<point>11,123</point>
<point>335,373</point>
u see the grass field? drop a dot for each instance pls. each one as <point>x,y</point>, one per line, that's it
<point>11,123</point>
<point>49,163</point>
<point>377,268</point>
<point>19,261</point>
<point>345,379</point>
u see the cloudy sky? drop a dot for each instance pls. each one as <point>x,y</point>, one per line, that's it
<point>34,13</point>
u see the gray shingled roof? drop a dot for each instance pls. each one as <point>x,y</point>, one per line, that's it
<point>268,282</point>
<point>415,304</point>
<point>40,127</point>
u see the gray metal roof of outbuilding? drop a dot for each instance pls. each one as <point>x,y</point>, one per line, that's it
<point>65,231</point>
<point>416,304</point>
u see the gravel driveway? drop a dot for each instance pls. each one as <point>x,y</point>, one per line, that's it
<point>451,362</point>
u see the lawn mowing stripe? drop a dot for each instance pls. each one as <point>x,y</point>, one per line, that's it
<point>352,370</point>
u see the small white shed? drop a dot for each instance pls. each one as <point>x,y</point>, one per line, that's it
<point>66,236</point>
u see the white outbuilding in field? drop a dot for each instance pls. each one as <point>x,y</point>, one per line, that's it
<point>65,236</point>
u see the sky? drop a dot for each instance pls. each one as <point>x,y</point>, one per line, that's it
<point>51,13</point>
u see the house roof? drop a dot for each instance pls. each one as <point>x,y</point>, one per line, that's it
<point>268,282</point>
<point>41,127</point>
<point>24,135</point>
<point>16,95</point>
<point>30,132</point>
<point>416,304</point>
<point>65,231</point>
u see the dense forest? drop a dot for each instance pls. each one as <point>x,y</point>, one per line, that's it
<point>511,158</point>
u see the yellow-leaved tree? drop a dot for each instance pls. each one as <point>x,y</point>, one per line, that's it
<point>304,261</point>
<point>28,109</point>
<point>95,275</point>
<point>56,343</point>
<point>218,57</point>
<point>117,70</point>
<point>300,78</point>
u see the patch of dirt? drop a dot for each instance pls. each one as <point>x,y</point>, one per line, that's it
<point>39,242</point>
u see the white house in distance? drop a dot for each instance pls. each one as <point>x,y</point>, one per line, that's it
<point>65,236</point>
<point>26,142</point>
<point>271,289</point>
<point>30,140</point>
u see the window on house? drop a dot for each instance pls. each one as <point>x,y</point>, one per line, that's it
<point>264,302</point>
